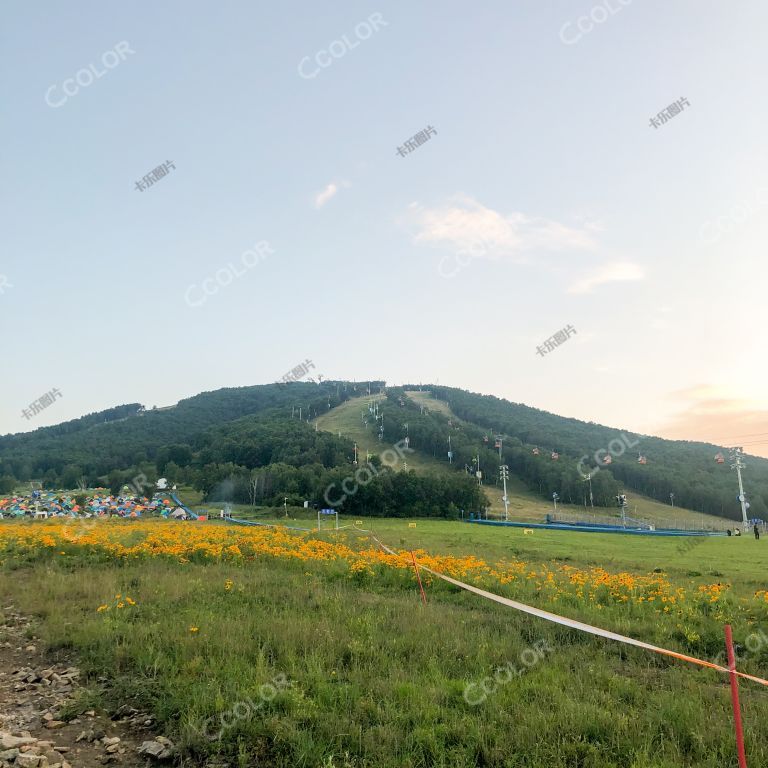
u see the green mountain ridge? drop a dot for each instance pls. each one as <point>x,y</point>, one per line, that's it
<point>221,439</point>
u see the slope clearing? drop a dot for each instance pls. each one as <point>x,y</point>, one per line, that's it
<point>524,505</point>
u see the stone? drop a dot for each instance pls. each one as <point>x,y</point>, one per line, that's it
<point>154,749</point>
<point>9,754</point>
<point>30,761</point>
<point>108,741</point>
<point>9,742</point>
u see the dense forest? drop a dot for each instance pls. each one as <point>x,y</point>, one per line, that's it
<point>127,436</point>
<point>263,458</point>
<point>255,445</point>
<point>686,469</point>
<point>473,447</point>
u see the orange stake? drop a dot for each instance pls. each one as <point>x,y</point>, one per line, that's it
<point>735,697</point>
<point>418,576</point>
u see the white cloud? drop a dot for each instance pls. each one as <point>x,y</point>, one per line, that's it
<point>465,223</point>
<point>614,272</point>
<point>321,198</point>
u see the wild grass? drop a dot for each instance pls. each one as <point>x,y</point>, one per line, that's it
<point>310,664</point>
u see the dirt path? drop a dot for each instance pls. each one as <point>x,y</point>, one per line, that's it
<point>32,694</point>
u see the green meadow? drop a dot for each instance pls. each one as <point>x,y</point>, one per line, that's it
<point>308,664</point>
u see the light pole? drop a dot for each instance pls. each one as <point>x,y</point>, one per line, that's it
<point>672,499</point>
<point>285,505</point>
<point>738,465</point>
<point>591,499</point>
<point>504,472</point>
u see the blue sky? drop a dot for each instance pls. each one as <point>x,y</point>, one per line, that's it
<point>649,242</point>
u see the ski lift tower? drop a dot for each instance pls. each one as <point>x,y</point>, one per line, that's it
<point>737,463</point>
<point>622,502</point>
<point>504,472</point>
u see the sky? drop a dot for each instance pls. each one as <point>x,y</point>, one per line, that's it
<point>204,195</point>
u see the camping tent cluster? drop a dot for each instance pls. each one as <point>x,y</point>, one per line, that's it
<point>40,504</point>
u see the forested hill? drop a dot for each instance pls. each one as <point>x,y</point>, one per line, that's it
<point>230,436</point>
<point>687,469</point>
<point>126,436</point>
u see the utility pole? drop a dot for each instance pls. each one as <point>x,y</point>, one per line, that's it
<point>738,464</point>
<point>504,472</point>
<point>479,473</point>
<point>450,452</point>
<point>591,499</point>
<point>285,505</point>
<point>672,499</point>
<point>355,461</point>
<point>555,497</point>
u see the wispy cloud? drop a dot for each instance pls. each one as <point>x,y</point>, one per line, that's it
<point>612,272</point>
<point>712,415</point>
<point>322,197</point>
<point>465,223</point>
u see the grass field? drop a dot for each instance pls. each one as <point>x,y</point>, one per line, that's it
<point>283,649</point>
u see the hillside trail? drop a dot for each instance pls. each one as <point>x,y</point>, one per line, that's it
<point>32,694</point>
